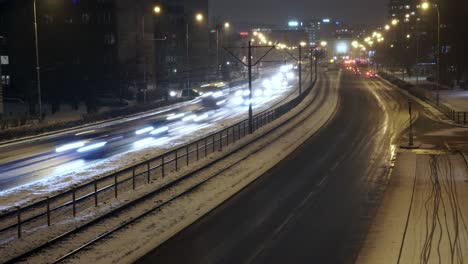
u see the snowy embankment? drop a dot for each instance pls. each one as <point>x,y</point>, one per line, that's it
<point>79,172</point>
<point>422,218</point>
<point>232,175</point>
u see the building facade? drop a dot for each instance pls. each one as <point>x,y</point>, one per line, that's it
<point>99,51</point>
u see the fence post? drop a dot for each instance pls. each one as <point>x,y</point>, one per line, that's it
<point>133,178</point>
<point>221,140</point>
<point>149,171</point>
<point>95,194</point>
<point>213,143</point>
<point>115,185</point>
<point>206,146</point>
<point>162,166</point>
<point>234,138</point>
<point>197,150</point>
<point>227,136</point>
<point>48,211</point>
<point>18,210</point>
<point>74,201</point>
<point>187,151</point>
<point>464,118</point>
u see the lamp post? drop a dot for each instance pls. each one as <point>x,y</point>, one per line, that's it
<point>198,18</point>
<point>226,26</point>
<point>38,67</point>
<point>1,84</point>
<point>426,6</point>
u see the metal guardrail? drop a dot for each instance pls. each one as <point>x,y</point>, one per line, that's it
<point>456,116</point>
<point>54,209</point>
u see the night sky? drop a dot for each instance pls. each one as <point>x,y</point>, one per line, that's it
<point>370,12</point>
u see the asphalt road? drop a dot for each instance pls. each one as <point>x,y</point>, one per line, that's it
<point>21,164</point>
<point>315,206</point>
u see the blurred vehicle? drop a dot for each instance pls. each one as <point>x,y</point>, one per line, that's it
<point>357,71</point>
<point>371,74</point>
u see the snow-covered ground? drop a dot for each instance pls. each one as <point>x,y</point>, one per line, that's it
<point>422,217</point>
<point>455,98</point>
<point>66,176</point>
<point>244,166</point>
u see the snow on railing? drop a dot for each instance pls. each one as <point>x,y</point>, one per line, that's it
<point>60,207</point>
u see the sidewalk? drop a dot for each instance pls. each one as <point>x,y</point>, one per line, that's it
<point>422,217</point>
<point>454,98</point>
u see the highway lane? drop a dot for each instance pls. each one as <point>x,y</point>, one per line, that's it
<point>313,207</point>
<point>25,163</point>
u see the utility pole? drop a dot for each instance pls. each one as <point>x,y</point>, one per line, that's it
<point>438,55</point>
<point>311,65</point>
<point>250,64</point>
<point>188,56</point>
<point>38,67</point>
<point>410,103</point>
<point>316,65</point>
<point>250,88</point>
<point>1,86</point>
<point>300,69</point>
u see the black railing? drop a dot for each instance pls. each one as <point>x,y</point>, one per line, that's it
<point>55,209</point>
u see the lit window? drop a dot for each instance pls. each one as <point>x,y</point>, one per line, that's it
<point>85,18</point>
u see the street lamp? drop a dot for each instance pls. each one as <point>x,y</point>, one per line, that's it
<point>227,25</point>
<point>395,22</point>
<point>425,6</point>
<point>198,18</point>
<point>323,43</point>
<point>157,10</point>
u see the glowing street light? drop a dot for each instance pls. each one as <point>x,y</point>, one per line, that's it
<point>303,43</point>
<point>395,22</point>
<point>425,6</point>
<point>157,10</point>
<point>227,25</point>
<point>323,43</point>
<point>387,27</point>
<point>199,17</point>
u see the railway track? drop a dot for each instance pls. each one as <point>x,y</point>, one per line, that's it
<point>100,226</point>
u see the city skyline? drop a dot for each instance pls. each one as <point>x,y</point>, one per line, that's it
<point>262,11</point>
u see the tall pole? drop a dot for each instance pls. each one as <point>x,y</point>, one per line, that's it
<point>311,65</point>
<point>38,67</point>
<point>187,56</point>
<point>300,69</point>
<point>1,87</point>
<point>410,123</point>
<point>218,28</point>
<point>316,65</point>
<point>250,88</point>
<point>145,86</point>
<point>417,57</point>
<point>438,56</point>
